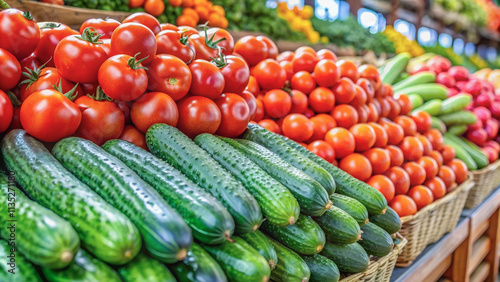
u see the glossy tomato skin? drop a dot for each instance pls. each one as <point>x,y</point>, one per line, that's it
<point>133,38</point>
<point>50,35</point>
<point>251,49</point>
<point>251,103</point>
<point>397,157</point>
<point>368,87</point>
<point>202,50</point>
<point>326,54</point>
<point>270,74</point>
<point>31,62</point>
<point>10,70</point>
<point>399,178</point>
<point>344,91</point>
<point>208,80</point>
<point>384,185</point>
<point>19,32</point>
<point>297,127</point>
<point>423,121</point>
<point>145,19</point>
<point>6,111</point>
<point>198,115</point>
<point>364,136</point>
<point>345,115</point>
<point>227,45</point>
<point>303,81</point>
<point>235,115</point>
<point>285,56</point>
<point>270,125</point>
<point>169,42</point>
<point>448,153</point>
<point>348,69</point>
<point>253,86</point>
<point>379,158</point>
<point>460,169</point>
<point>403,205</point>
<point>102,26</point>
<point>259,112</point>
<point>236,75</point>
<point>299,102</point>
<point>277,103</point>
<point>47,79</point>
<point>135,136</point>
<point>326,73</point>
<point>304,61</point>
<point>341,140</point>
<point>272,49</point>
<point>381,135</point>
<point>416,173</point>
<point>323,150</point>
<point>357,165</point>
<point>170,75</point>
<point>422,196</point>
<point>322,100</point>
<point>152,108</point>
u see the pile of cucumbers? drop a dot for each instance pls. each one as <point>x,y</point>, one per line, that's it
<point>210,209</point>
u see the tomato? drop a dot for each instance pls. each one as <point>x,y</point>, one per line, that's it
<point>303,81</point>
<point>412,148</point>
<point>287,66</point>
<point>270,125</point>
<point>437,157</point>
<point>50,116</point>
<point>104,27</point>
<point>403,205</point>
<point>328,119</point>
<point>106,46</point>
<point>362,114</point>
<point>384,185</point>
<point>30,63</point>
<point>341,140</point>
<point>366,85</point>
<point>399,178</point>
<point>426,144</point>
<point>50,35</point>
<point>395,108</point>
<point>360,97</point>
<point>397,157</point>
<point>381,135</point>
<point>326,73</point>
<point>236,74</point>
<point>436,138</point>
<point>235,115</point>
<point>47,78</point>
<point>19,32</point>
<point>251,49</point>
<point>170,75</point>
<point>152,108</point>
<point>6,111</point>
<point>373,112</point>
<point>251,103</point>
<point>430,165</point>
<point>394,131</point>
<point>145,19</point>
<point>168,26</point>
<point>132,38</point>
<point>448,153</point>
<point>176,44</point>
<point>323,150</point>
<point>416,173</point>
<point>320,128</point>
<point>385,107</point>
<point>304,61</point>
<point>285,56</point>
<point>253,86</point>
<point>448,176</point>
<point>208,80</point>
<point>405,103</point>
<point>272,49</point>
<point>345,115</point>
<point>344,91</point>
<point>123,78</point>
<point>371,73</point>
<point>277,103</point>
<point>198,115</point>
<point>423,120</point>
<point>259,112</point>
<point>408,125</point>
<point>269,74</point>
<point>460,169</point>
<point>364,136</point>
<point>356,165</point>
<point>125,108</point>
<point>297,127</point>
<point>305,49</point>
<point>380,159</point>
<point>222,38</point>
<point>326,54</point>
<point>348,69</point>
<point>422,196</point>
<point>437,186</point>
<point>10,70</point>
<point>134,136</point>
<point>321,100</point>
<point>299,102</point>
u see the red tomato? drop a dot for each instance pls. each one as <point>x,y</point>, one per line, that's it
<point>397,157</point>
<point>205,48</point>
<point>125,108</point>
<point>395,108</point>
<point>198,115</point>
<point>448,153</point>
<point>253,86</point>
<point>430,165</point>
<point>416,173</point>
<point>303,81</point>
<point>259,112</point>
<point>236,75</point>
<point>326,54</point>
<point>47,78</point>
<point>448,176</point>
<point>368,87</point>
<point>170,75</point>
<point>426,144</point>
<point>460,169</point>
<point>133,135</point>
<point>6,111</point>
<point>145,19</point>
<point>341,140</point>
<point>322,149</point>
<point>269,74</point>
<point>297,127</point>
<point>362,114</point>
<point>272,49</point>
<point>277,103</point>
<point>364,135</point>
<point>235,115</point>
<point>345,115</point>
<point>106,46</point>
<point>344,91</point>
<point>408,125</point>
<point>360,97</point>
<point>399,178</point>
<point>251,103</point>
<point>348,69</point>
<point>436,138</point>
<point>304,61</point>
<point>10,70</point>
<point>287,66</point>
<point>132,38</point>
<point>423,120</point>
<point>437,186</point>
<point>320,129</point>
<point>305,49</point>
<point>270,125</point>
<point>371,73</point>
<point>394,131</point>
<point>384,185</point>
<point>422,196</point>
<point>168,26</point>
<point>152,108</point>
<point>380,159</point>
<point>356,165</point>
<point>326,73</point>
<point>104,27</point>
<point>412,148</point>
<point>176,44</point>
<point>208,80</point>
<point>299,102</point>
<point>322,100</point>
<point>381,135</point>
<point>19,32</point>
<point>403,205</point>
<point>50,35</point>
<point>251,49</point>
<point>385,107</point>
<point>373,112</point>
<point>405,103</point>
<point>31,63</point>
<point>222,38</point>
<point>437,157</point>
<point>330,121</point>
<point>285,56</point>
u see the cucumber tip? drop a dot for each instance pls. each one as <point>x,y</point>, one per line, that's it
<point>328,205</point>
<point>265,278</point>
<point>272,263</point>
<point>292,220</point>
<point>384,210</point>
<point>128,254</point>
<point>319,248</point>
<point>66,256</point>
<point>367,220</point>
<point>255,227</point>
<point>181,254</point>
<point>228,236</point>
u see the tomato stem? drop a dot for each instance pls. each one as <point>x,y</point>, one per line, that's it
<point>185,40</point>
<point>32,74</point>
<point>221,61</point>
<point>3,5</point>
<point>135,64</point>
<point>28,15</point>
<point>45,25</point>
<point>71,95</point>
<point>100,95</point>
<point>13,98</point>
<point>172,81</point>
<point>90,35</point>
<point>210,41</point>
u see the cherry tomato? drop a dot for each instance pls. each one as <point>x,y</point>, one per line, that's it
<point>341,140</point>
<point>270,74</point>
<point>436,138</point>
<point>10,70</point>
<point>326,73</point>
<point>381,135</point>
<point>303,81</point>
<point>323,150</point>
<point>133,135</point>
<point>321,100</point>
<point>251,102</point>
<point>253,86</point>
<point>405,103</point>
<point>176,44</point>
<point>272,49</point>
<point>320,129</point>
<point>277,103</point>
<point>399,178</point>
<point>412,148</point>
<point>373,112</point>
<point>104,27</point>
<point>416,173</point>
<point>384,185</point>
<point>170,75</point>
<point>423,120</point>
<point>422,196</point>
<point>448,153</point>
<point>437,186</point>
<point>408,125</point>
<point>437,157</point>
<point>287,66</point>
<point>380,159</point>
<point>47,78</point>
<point>348,69</point>
<point>152,108</point>
<point>198,115</point>
<point>297,127</point>
<point>345,115</point>
<point>50,35</point>
<point>328,119</point>
<point>208,80</point>
<point>326,54</point>
<point>168,26</point>
<point>426,144</point>
<point>385,107</point>
<point>236,74</point>
<point>362,114</point>
<point>299,102</point>
<point>305,49</point>
<point>394,131</point>
<point>364,136</point>
<point>251,49</point>
<point>447,174</point>
<point>368,87</point>
<point>145,19</point>
<point>270,125</point>
<point>19,32</point>
<point>403,205</point>
<point>394,106</point>
<point>397,157</point>
<point>235,115</point>
<point>371,73</point>
<point>132,38</point>
<point>460,169</point>
<point>285,56</point>
<point>259,112</point>
<point>359,97</point>
<point>344,91</point>
<point>356,165</point>
<point>6,111</point>
<point>304,61</point>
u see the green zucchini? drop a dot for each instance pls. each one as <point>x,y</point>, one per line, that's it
<point>415,79</point>
<point>438,124</point>
<point>171,145</point>
<point>339,226</point>
<point>85,268</point>
<point>14,267</point>
<point>460,152</point>
<point>103,230</point>
<point>290,267</point>
<point>432,107</point>
<point>460,117</point>
<point>389,221</point>
<point>322,269</point>
<point>375,240</point>
<point>304,237</point>
<point>474,151</point>
<point>416,100</point>
<point>277,203</point>
<point>198,266</point>
<point>350,258</point>
<point>457,129</point>
<point>351,206</point>
<point>210,222</point>
<point>143,268</point>
<point>455,103</point>
<point>428,91</point>
<point>166,236</point>
<point>240,261</point>
<point>261,244</point>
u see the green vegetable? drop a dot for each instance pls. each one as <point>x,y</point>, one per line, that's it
<point>457,129</point>
<point>460,117</point>
<point>198,266</point>
<point>427,91</point>
<point>375,240</point>
<point>290,266</point>
<point>339,226</point>
<point>351,206</point>
<point>389,221</point>
<point>143,268</point>
<point>19,271</point>
<point>438,124</point>
<point>416,100</point>
<point>432,107</point>
<point>322,269</point>
<point>261,244</point>
<point>472,149</point>
<point>416,79</point>
<point>460,152</point>
<point>395,67</point>
<point>351,258</point>
<point>455,103</point>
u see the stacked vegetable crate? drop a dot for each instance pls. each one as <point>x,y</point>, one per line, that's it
<point>486,180</point>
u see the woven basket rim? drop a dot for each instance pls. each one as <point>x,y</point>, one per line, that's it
<point>488,168</point>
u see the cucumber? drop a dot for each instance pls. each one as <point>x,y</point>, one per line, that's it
<point>277,203</point>
<point>292,157</point>
<point>432,107</point>
<point>17,269</point>
<point>457,129</point>
<point>171,145</point>
<point>460,152</point>
<point>351,258</point>
<point>339,226</point>
<point>240,261</point>
<point>416,100</point>
<point>41,236</point>
<point>389,221</point>
<point>210,222</point>
<point>472,149</point>
<point>427,91</point>
<point>438,124</point>
<point>143,268</point>
<point>375,240</point>
<point>103,230</point>
<point>395,67</point>
<point>304,237</point>
<point>455,103</point>
<point>312,197</point>
<point>322,269</point>
<point>460,117</point>
<point>290,267</point>
<point>166,236</point>
<point>85,268</point>
<point>261,244</point>
<point>351,206</point>
<point>198,266</point>
<point>416,79</point>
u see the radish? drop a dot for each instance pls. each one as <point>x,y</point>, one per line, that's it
<point>439,63</point>
<point>474,87</point>
<point>491,127</point>
<point>484,99</point>
<point>445,79</point>
<point>452,92</point>
<point>495,109</point>
<point>491,153</point>
<point>482,113</point>
<point>459,73</point>
<point>478,136</point>
<point>493,144</point>
<point>475,126</point>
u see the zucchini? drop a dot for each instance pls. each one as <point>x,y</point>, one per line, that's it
<point>171,145</point>
<point>416,100</point>
<point>395,67</point>
<point>438,124</point>
<point>339,226</point>
<point>474,151</point>
<point>388,221</point>
<point>427,91</point>
<point>460,117</point>
<point>416,79</point>
<point>351,258</point>
<point>143,268</point>
<point>166,236</point>
<point>103,230</point>
<point>240,261</point>
<point>198,266</point>
<point>85,268</point>
<point>460,152</point>
<point>277,203</point>
<point>210,222</point>
<point>19,270</point>
<point>455,103</point>
<point>290,267</point>
<point>457,129</point>
<point>322,269</point>
<point>375,240</point>
<point>351,206</point>
<point>304,237</point>
<point>432,107</point>
<point>261,244</point>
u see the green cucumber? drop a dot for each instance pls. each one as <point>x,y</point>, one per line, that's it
<point>166,236</point>
<point>339,226</point>
<point>432,107</point>
<point>261,244</point>
<point>277,203</point>
<point>171,145</point>
<point>14,267</point>
<point>460,152</point>
<point>103,230</point>
<point>375,240</point>
<point>312,197</point>
<point>304,237</point>
<point>41,236</point>
<point>198,266</point>
<point>472,149</point>
<point>416,100</point>
<point>240,261</point>
<point>395,67</point>
<point>290,267</point>
<point>427,91</point>
<point>455,103</point>
<point>457,129</point>
<point>460,117</point>
<point>143,268</point>
<point>351,258</point>
<point>85,268</point>
<point>389,221</point>
<point>351,206</point>
<point>416,79</point>
<point>210,222</point>
<point>322,269</point>
<point>438,124</point>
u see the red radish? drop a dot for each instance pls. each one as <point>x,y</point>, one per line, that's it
<point>439,63</point>
<point>491,153</point>
<point>419,68</point>
<point>485,99</point>
<point>495,109</point>
<point>460,85</point>
<point>482,113</point>
<point>445,79</point>
<point>494,145</point>
<point>459,73</point>
<point>452,92</point>
<point>478,136</point>
<point>491,126</point>
<point>475,126</point>
<point>487,86</point>
<point>473,87</point>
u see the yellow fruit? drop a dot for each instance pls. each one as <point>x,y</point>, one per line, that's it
<point>307,12</point>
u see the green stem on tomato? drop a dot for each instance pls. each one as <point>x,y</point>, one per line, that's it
<point>3,5</point>
<point>13,98</point>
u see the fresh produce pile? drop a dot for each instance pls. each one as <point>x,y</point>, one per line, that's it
<point>471,9</point>
<point>300,20</point>
<point>401,43</point>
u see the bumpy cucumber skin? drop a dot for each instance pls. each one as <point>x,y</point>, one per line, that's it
<point>291,156</point>
<point>322,269</point>
<point>460,152</point>
<point>261,244</point>
<point>339,226</point>
<point>43,237</point>
<point>304,237</point>
<point>103,230</point>
<point>474,151</point>
<point>351,206</point>
<point>460,117</point>
<point>240,261</point>
<point>350,258</point>
<point>24,270</point>
<point>455,103</point>
<point>419,78</point>
<point>389,221</point>
<point>171,145</point>
<point>375,240</point>
<point>438,124</point>
<point>432,107</point>
<point>290,267</point>
<point>85,268</point>
<point>143,268</point>
<point>210,222</point>
<point>312,197</point>
<point>198,266</point>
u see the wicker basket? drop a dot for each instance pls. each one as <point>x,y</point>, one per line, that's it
<point>432,222</point>
<point>486,180</point>
<point>380,269</point>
